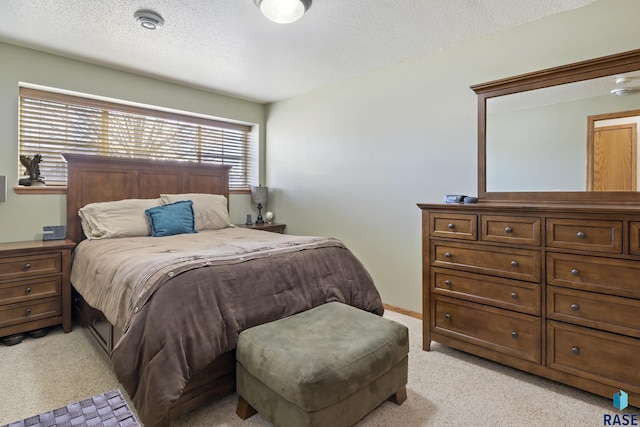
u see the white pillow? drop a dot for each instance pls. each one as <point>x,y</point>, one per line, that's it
<point>210,210</point>
<point>122,218</point>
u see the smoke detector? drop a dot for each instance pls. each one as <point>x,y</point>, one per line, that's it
<point>148,19</point>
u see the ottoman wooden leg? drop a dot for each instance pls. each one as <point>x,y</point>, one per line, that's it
<point>244,410</point>
<point>399,396</point>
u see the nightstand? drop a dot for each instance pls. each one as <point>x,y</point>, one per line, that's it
<point>35,291</point>
<point>273,227</point>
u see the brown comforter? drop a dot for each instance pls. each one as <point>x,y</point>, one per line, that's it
<point>196,315</point>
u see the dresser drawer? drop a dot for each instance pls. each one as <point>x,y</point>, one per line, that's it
<point>504,293</point>
<point>12,292</point>
<point>12,314</point>
<point>453,226</point>
<point>32,265</point>
<point>521,264</point>
<point>596,274</point>
<point>511,229</point>
<point>584,234</point>
<point>599,356</point>
<point>613,314</point>
<point>634,238</point>
<point>493,328</point>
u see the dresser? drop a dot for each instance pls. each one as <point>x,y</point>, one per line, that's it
<point>35,291</point>
<point>551,289</point>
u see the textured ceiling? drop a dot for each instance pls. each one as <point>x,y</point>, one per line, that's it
<point>227,46</point>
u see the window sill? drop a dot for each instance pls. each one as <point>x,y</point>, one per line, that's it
<point>44,189</point>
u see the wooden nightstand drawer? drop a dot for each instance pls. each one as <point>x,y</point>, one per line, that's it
<point>30,265</point>
<point>597,274</point>
<point>510,294</point>
<point>510,333</point>
<point>12,314</point>
<point>606,312</point>
<point>521,264</point>
<point>594,355</point>
<point>453,226</point>
<point>588,235</point>
<point>24,290</point>
<point>518,230</point>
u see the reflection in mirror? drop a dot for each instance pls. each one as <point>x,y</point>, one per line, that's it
<point>539,140</point>
<point>612,152</point>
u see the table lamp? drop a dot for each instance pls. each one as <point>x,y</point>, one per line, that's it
<point>259,195</point>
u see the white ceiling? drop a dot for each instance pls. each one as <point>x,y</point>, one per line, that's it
<point>227,46</point>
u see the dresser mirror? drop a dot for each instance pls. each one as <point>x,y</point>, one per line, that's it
<point>562,134</point>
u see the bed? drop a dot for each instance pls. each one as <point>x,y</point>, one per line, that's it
<point>178,352</point>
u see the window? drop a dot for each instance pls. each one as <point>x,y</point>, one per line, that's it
<point>52,123</point>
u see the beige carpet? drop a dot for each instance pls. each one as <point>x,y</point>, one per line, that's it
<point>446,388</point>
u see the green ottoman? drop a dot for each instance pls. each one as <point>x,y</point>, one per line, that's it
<point>328,366</point>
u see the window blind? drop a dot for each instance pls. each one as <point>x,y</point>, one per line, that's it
<point>52,123</point>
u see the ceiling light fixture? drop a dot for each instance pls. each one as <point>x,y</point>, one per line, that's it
<point>621,91</point>
<point>283,11</point>
<point>148,19</point>
<point>622,80</point>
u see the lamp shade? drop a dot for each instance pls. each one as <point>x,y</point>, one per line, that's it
<point>259,194</point>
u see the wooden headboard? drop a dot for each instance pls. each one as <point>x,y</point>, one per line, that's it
<point>103,179</point>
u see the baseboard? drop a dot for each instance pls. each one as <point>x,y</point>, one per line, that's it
<point>403,311</point>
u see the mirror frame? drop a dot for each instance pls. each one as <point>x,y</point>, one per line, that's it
<point>578,71</point>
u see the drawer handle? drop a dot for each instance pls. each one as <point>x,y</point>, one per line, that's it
<point>575,307</point>
<point>95,321</point>
<point>447,282</point>
<point>447,254</point>
<point>575,350</point>
<point>27,291</point>
<point>514,295</point>
<point>447,316</point>
<point>27,311</point>
<point>575,272</point>
<point>451,226</point>
<point>514,263</point>
<point>508,230</point>
<point>27,266</point>
<point>514,334</point>
<point>581,235</point>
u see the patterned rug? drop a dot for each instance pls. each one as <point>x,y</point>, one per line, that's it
<point>104,410</point>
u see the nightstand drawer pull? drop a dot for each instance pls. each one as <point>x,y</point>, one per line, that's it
<point>27,266</point>
<point>514,263</point>
<point>447,316</point>
<point>575,307</point>
<point>575,272</point>
<point>514,295</point>
<point>508,230</point>
<point>447,254</point>
<point>581,235</point>
<point>27,311</point>
<point>27,291</point>
<point>447,282</point>
<point>575,350</point>
<point>514,334</point>
<point>451,226</point>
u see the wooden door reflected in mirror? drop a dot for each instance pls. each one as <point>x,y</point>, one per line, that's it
<point>612,154</point>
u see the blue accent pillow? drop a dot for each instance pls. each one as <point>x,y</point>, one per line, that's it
<point>174,218</point>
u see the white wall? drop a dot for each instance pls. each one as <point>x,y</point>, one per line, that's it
<point>352,160</point>
<point>23,216</point>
